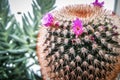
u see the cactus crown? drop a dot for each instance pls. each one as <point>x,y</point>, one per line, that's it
<point>92,55</point>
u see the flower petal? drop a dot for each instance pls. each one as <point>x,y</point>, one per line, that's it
<point>47,20</point>
<point>77,27</point>
<point>96,3</point>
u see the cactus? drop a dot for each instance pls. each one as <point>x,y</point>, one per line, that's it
<point>92,53</point>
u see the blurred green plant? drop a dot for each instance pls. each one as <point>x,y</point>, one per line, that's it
<point>18,43</point>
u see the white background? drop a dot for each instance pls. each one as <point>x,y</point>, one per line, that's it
<point>25,5</point>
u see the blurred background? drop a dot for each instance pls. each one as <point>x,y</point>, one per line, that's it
<point>19,25</point>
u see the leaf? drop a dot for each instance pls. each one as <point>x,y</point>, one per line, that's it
<point>10,18</point>
<point>5,75</point>
<point>40,2</point>
<point>2,39</point>
<point>33,46</point>
<point>10,28</point>
<point>4,57</point>
<point>5,45</point>
<point>26,19</point>
<point>36,6</point>
<point>1,26</point>
<point>18,39</point>
<point>20,60</point>
<point>30,16</point>
<point>19,29</point>
<point>36,26</point>
<point>37,77</point>
<point>49,4</point>
<point>19,51</point>
<point>2,34</point>
<point>3,52</point>
<point>27,28</point>
<point>35,33</point>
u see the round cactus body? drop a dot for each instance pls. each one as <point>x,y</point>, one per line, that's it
<point>82,43</point>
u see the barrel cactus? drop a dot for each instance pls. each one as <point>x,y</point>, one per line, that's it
<point>79,42</point>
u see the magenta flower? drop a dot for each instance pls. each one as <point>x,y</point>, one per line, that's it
<point>96,3</point>
<point>48,20</point>
<point>77,27</point>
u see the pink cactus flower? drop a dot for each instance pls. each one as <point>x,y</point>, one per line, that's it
<point>96,3</point>
<point>48,20</point>
<point>77,27</point>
